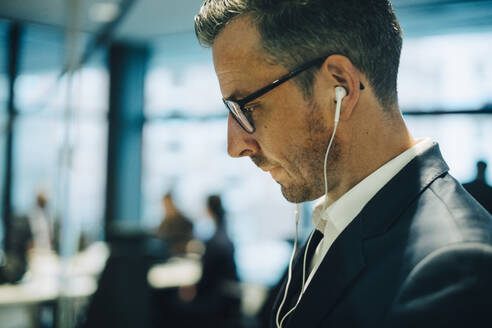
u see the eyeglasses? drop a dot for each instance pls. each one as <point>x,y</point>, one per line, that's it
<point>243,115</point>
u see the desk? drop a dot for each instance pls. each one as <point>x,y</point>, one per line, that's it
<point>175,272</point>
<point>48,281</point>
<point>44,290</point>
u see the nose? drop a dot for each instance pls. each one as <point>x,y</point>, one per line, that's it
<point>239,142</point>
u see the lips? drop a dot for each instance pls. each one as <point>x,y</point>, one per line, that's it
<point>267,168</point>
<point>263,164</point>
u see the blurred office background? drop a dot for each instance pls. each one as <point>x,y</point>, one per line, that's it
<point>105,106</point>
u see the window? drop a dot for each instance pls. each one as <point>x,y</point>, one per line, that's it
<point>181,79</point>
<point>42,132</point>
<point>450,73</point>
<point>447,72</point>
<point>3,115</point>
<point>463,139</point>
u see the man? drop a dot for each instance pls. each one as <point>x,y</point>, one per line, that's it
<point>479,188</point>
<point>176,229</point>
<point>397,241</point>
<point>41,225</point>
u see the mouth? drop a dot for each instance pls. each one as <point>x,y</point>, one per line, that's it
<point>267,168</point>
<point>274,170</point>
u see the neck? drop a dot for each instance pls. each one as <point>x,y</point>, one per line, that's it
<point>370,141</point>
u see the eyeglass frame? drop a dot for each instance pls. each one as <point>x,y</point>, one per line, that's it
<point>260,92</point>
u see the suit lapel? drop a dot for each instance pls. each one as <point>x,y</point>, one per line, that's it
<point>341,265</point>
<point>296,283</point>
<point>398,194</point>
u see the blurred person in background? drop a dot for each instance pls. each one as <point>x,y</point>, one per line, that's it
<point>33,232</point>
<point>14,261</point>
<point>219,266</point>
<point>215,300</point>
<point>311,89</point>
<point>176,229</point>
<point>41,224</point>
<point>479,187</point>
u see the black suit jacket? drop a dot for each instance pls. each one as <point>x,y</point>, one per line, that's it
<point>418,255</point>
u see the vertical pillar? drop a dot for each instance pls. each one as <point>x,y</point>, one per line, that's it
<point>127,68</point>
<point>13,46</point>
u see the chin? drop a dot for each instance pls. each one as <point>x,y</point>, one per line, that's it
<point>297,194</point>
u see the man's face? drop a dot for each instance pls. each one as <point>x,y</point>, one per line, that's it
<point>291,131</point>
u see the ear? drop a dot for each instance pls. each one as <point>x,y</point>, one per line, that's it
<point>338,70</point>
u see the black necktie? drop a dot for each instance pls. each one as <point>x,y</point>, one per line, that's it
<point>296,283</point>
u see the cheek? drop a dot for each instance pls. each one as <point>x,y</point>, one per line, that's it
<point>282,127</point>
<point>279,139</point>
<point>283,123</point>
<point>282,109</point>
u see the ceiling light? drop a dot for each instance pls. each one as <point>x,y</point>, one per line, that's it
<point>104,12</point>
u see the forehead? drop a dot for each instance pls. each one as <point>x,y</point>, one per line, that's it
<point>240,62</point>
<point>239,35</point>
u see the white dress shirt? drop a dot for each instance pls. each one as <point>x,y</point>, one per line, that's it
<point>336,217</point>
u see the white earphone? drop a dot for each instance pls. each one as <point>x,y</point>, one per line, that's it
<point>340,93</point>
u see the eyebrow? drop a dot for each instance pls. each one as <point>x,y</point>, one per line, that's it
<point>236,95</point>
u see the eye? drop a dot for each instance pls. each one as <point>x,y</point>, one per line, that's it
<point>248,111</point>
<point>249,108</point>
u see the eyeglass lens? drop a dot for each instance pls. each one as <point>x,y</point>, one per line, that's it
<point>239,115</point>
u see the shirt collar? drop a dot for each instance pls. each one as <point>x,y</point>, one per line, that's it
<point>338,215</point>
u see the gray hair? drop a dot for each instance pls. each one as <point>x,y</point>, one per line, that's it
<point>294,31</point>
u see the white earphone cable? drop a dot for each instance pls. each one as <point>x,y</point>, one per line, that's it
<point>337,111</point>
<point>303,283</point>
<point>289,274</point>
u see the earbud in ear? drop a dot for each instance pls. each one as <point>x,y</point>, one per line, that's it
<point>340,92</point>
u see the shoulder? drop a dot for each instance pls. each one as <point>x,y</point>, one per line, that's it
<point>448,260</point>
<point>468,259</point>
<point>442,217</point>
<point>450,287</point>
<point>450,214</point>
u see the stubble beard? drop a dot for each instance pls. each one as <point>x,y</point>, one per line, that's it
<point>311,185</point>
